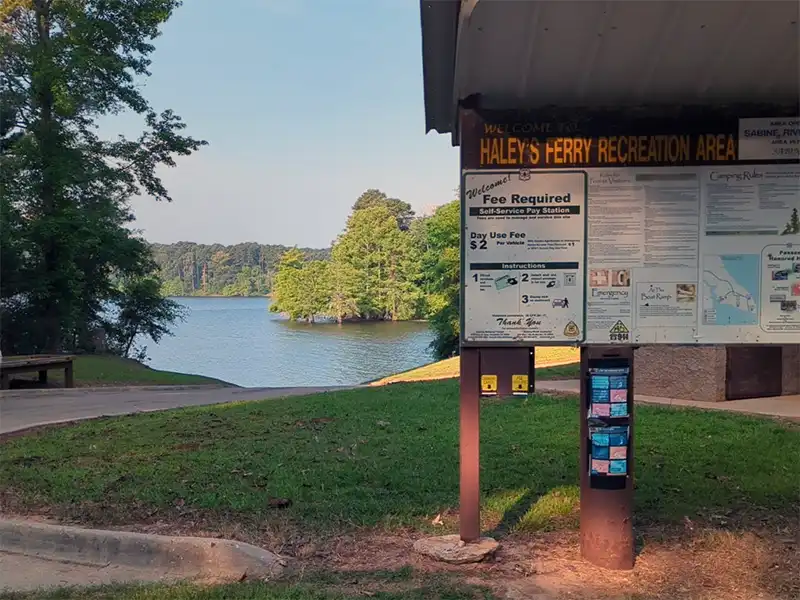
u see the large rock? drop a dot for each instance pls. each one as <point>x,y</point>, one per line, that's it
<point>450,549</point>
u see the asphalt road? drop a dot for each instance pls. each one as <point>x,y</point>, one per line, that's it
<point>30,408</point>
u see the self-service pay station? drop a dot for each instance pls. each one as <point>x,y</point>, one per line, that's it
<point>630,176</point>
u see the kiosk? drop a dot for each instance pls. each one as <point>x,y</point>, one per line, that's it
<point>630,178</point>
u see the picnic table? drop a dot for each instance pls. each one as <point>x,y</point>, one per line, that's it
<point>41,363</point>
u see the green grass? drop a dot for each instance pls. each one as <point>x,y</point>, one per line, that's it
<point>559,372</point>
<point>394,588</point>
<point>389,456</point>
<point>100,371</point>
<point>566,359</point>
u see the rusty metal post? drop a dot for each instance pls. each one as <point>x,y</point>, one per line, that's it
<point>469,445</point>
<point>606,513</point>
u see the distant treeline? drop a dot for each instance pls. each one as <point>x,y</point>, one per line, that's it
<point>246,269</point>
<point>387,264</point>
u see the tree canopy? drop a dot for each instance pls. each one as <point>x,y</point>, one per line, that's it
<point>387,264</point>
<point>67,253</point>
<point>373,198</point>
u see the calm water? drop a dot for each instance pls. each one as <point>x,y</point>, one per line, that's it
<point>240,341</point>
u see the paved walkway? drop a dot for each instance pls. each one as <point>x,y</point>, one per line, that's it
<point>26,574</point>
<point>779,406</point>
<point>30,408</point>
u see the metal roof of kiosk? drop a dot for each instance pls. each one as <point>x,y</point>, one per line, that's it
<point>528,54</point>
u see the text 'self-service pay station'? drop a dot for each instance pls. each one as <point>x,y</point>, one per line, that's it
<point>662,212</point>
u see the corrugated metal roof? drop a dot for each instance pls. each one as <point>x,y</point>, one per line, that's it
<point>439,19</point>
<point>528,54</point>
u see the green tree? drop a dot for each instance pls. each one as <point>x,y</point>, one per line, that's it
<point>65,65</point>
<point>380,261</point>
<point>302,289</point>
<point>142,311</point>
<point>441,269</point>
<point>249,282</point>
<point>344,291</point>
<point>287,290</point>
<point>173,287</point>
<point>793,226</point>
<point>374,197</point>
<point>220,271</point>
<point>316,282</point>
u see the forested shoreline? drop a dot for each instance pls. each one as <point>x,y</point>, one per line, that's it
<point>244,269</point>
<point>387,265</point>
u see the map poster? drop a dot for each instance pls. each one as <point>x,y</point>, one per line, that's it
<point>731,284</point>
<point>523,257</point>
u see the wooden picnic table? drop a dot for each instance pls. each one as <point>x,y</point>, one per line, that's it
<point>41,363</point>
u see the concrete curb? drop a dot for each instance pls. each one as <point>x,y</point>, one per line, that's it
<point>182,557</point>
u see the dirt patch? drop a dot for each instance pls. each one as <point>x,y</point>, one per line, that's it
<point>690,562</point>
<point>707,565</point>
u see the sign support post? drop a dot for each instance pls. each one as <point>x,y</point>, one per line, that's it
<point>485,372</point>
<point>469,445</point>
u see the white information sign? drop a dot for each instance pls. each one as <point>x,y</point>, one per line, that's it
<point>673,255</point>
<point>524,253</point>
<point>694,255</point>
<point>769,138</point>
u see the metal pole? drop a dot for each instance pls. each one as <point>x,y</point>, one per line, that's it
<point>469,443</point>
<point>606,514</point>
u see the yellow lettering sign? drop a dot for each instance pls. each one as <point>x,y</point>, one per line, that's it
<point>623,150</point>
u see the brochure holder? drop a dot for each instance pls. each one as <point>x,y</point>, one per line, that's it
<point>607,415</point>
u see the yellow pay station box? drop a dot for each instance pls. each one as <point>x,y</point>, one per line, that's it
<point>519,385</point>
<point>488,385</point>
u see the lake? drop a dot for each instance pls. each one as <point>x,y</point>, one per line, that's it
<point>240,341</point>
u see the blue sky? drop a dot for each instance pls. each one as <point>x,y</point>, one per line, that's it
<point>305,104</point>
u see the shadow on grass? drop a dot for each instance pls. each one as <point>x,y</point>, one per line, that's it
<point>532,511</point>
<point>514,514</point>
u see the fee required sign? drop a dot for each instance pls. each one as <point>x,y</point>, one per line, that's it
<point>524,257</point>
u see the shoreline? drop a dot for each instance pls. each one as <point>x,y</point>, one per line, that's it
<point>321,321</point>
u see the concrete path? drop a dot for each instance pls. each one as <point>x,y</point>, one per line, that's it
<point>26,574</point>
<point>30,408</point>
<point>787,407</point>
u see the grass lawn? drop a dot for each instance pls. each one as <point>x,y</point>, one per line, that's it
<point>389,456</point>
<point>400,585</point>
<point>556,362</point>
<point>293,473</point>
<point>100,371</point>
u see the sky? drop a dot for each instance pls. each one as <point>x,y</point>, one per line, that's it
<point>305,104</point>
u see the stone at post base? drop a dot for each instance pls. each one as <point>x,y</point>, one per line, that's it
<point>450,549</point>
